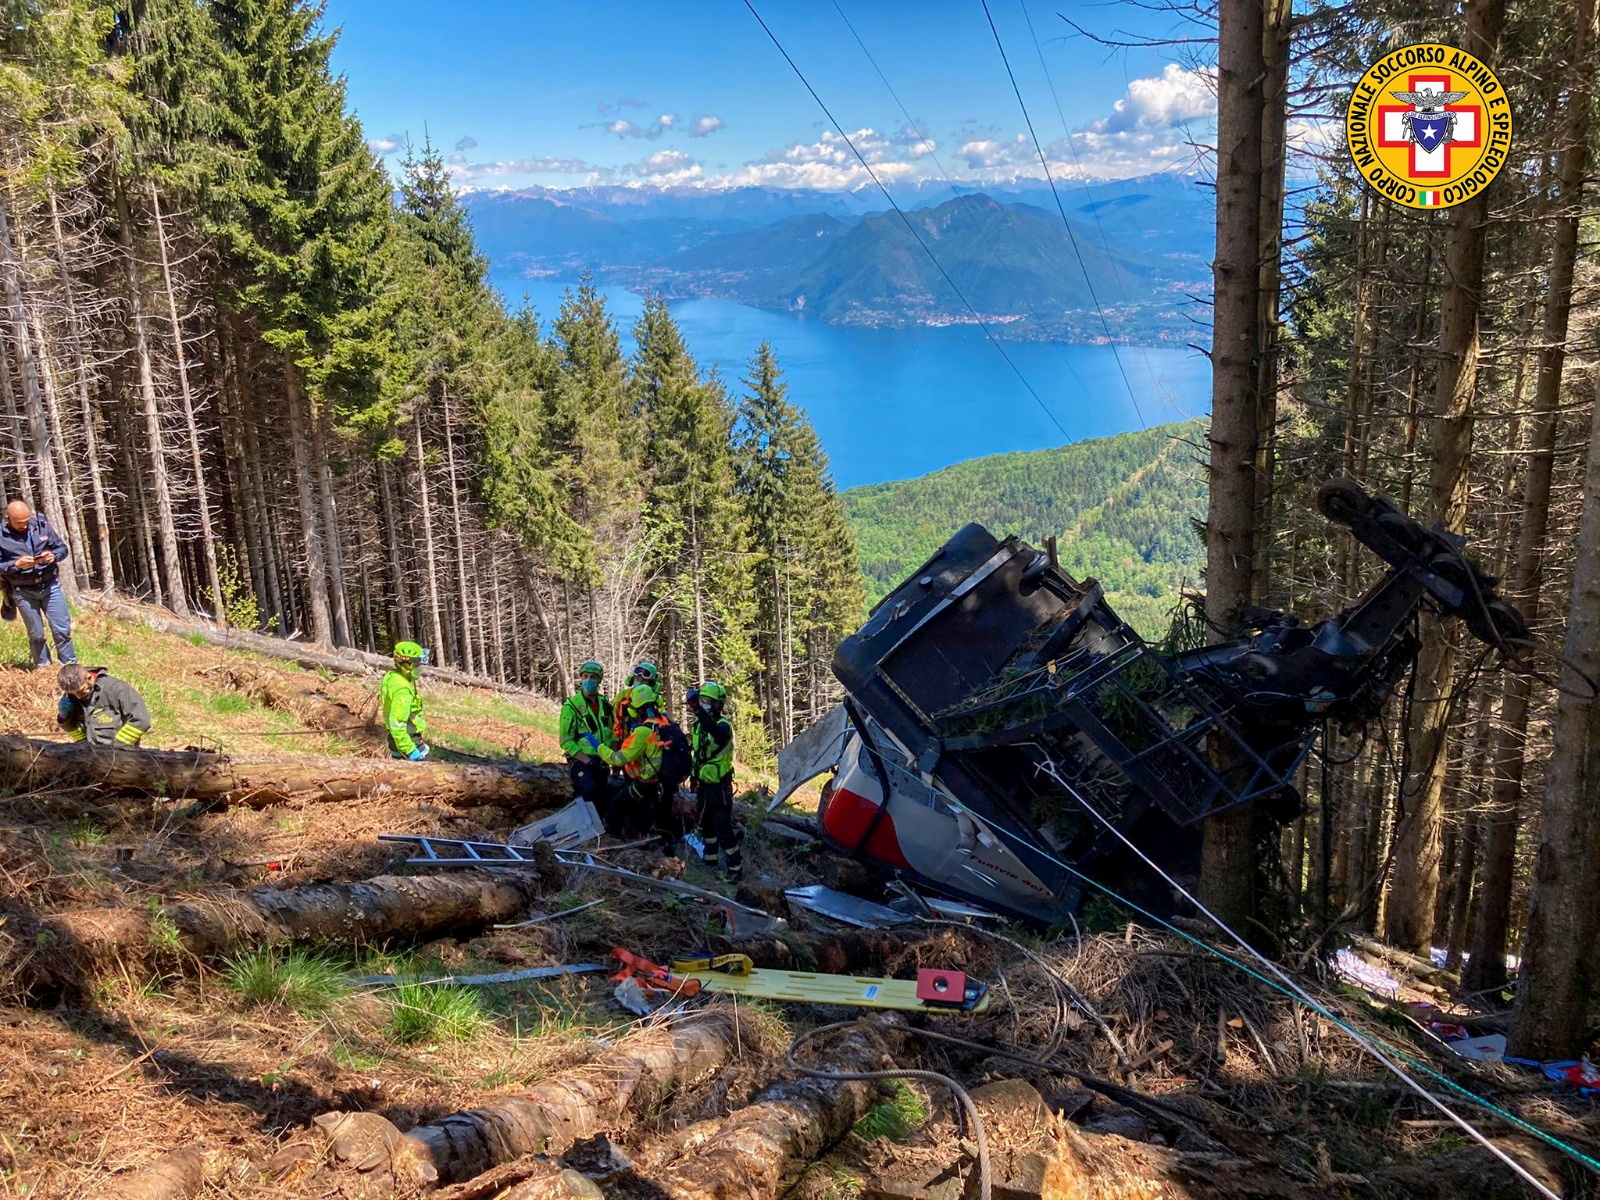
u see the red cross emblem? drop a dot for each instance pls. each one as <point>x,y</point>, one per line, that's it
<point>1424,163</point>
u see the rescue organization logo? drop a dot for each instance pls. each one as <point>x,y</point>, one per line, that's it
<point>1428,126</point>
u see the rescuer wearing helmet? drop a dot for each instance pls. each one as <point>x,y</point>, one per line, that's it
<point>711,745</point>
<point>635,803</point>
<point>645,672</point>
<point>402,706</point>
<point>586,726</point>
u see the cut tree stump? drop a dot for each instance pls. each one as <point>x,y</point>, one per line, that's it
<point>64,950</point>
<point>638,1074</point>
<point>761,1149</point>
<point>33,765</point>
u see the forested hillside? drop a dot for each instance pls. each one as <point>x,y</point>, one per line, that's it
<point>1122,508</point>
<point>243,376</point>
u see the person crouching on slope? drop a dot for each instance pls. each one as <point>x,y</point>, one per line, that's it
<point>635,804</point>
<point>402,706</point>
<point>712,748</point>
<point>584,728</point>
<point>100,709</point>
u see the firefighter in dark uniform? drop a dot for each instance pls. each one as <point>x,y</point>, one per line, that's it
<point>711,747</point>
<point>98,708</point>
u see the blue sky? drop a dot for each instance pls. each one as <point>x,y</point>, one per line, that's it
<point>695,94</point>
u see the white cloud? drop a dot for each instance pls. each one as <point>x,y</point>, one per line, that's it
<point>386,145</point>
<point>469,172</point>
<point>627,129</point>
<point>664,162</point>
<point>991,154</point>
<point>704,125</point>
<point>467,143</point>
<point>1163,101</point>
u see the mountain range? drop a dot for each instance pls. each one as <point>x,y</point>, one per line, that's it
<point>1140,247</point>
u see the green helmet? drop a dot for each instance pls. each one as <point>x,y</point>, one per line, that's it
<point>647,672</point>
<point>409,652</point>
<point>712,690</point>
<point>592,668</point>
<point>642,696</point>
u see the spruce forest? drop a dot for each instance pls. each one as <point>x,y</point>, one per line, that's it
<point>248,378</point>
<point>258,378</point>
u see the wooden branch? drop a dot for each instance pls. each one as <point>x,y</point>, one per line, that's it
<point>177,1175</point>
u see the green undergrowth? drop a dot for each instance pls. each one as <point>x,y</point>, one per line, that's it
<point>896,1117</point>
<point>309,984</point>
<point>434,1012</point>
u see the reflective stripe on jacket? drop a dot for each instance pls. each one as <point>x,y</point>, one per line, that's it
<point>712,745</point>
<point>640,753</point>
<point>578,717</point>
<point>113,715</point>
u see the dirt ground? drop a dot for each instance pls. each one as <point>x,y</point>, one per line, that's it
<point>161,1050</point>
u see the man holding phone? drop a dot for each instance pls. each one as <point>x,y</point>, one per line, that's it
<point>31,554</point>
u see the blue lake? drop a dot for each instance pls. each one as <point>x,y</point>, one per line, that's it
<point>895,403</point>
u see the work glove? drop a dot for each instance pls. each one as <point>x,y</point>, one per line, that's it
<point>64,712</point>
<point>592,741</point>
<point>418,753</point>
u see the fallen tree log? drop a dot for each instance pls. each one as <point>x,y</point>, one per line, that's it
<point>346,661</point>
<point>760,1150</point>
<point>307,705</point>
<point>29,765</point>
<point>638,1074</point>
<point>1421,968</point>
<point>177,1175</point>
<point>64,950</point>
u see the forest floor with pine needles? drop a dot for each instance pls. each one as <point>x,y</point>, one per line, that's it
<point>161,1049</point>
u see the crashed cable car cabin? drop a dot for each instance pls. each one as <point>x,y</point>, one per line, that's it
<point>1002,724</point>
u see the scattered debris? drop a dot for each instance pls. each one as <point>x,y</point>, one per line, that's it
<point>485,980</point>
<point>841,906</point>
<point>576,825</point>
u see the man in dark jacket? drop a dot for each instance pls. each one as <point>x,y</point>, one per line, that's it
<point>31,554</point>
<point>100,709</point>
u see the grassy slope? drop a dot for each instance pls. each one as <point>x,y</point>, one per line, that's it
<point>1121,508</point>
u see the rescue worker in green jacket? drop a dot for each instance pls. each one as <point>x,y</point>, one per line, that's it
<point>585,726</point>
<point>98,708</point>
<point>634,804</point>
<point>711,749</point>
<point>402,706</point>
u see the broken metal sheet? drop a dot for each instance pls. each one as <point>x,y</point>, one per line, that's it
<point>1490,1048</point>
<point>576,825</point>
<point>841,906</point>
<point>952,910</point>
<point>809,755</point>
<point>481,980</point>
<point>856,991</point>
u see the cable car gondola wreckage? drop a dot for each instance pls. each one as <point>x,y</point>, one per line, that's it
<point>1003,725</point>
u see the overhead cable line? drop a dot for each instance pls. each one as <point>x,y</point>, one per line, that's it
<point>1038,147</point>
<point>976,224</point>
<point>912,229</point>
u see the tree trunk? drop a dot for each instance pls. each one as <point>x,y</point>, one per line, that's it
<point>1558,977</point>
<point>32,395</point>
<point>320,619</point>
<point>1229,870</point>
<point>256,782</point>
<point>1409,918</point>
<point>760,1150</point>
<point>1486,969</point>
<point>167,529</point>
<point>80,370</point>
<point>399,610</point>
<point>65,950</point>
<point>311,708</point>
<point>202,494</point>
<point>636,1076</point>
<point>430,564</point>
<point>177,1175</point>
<point>338,610</point>
<point>469,654</point>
